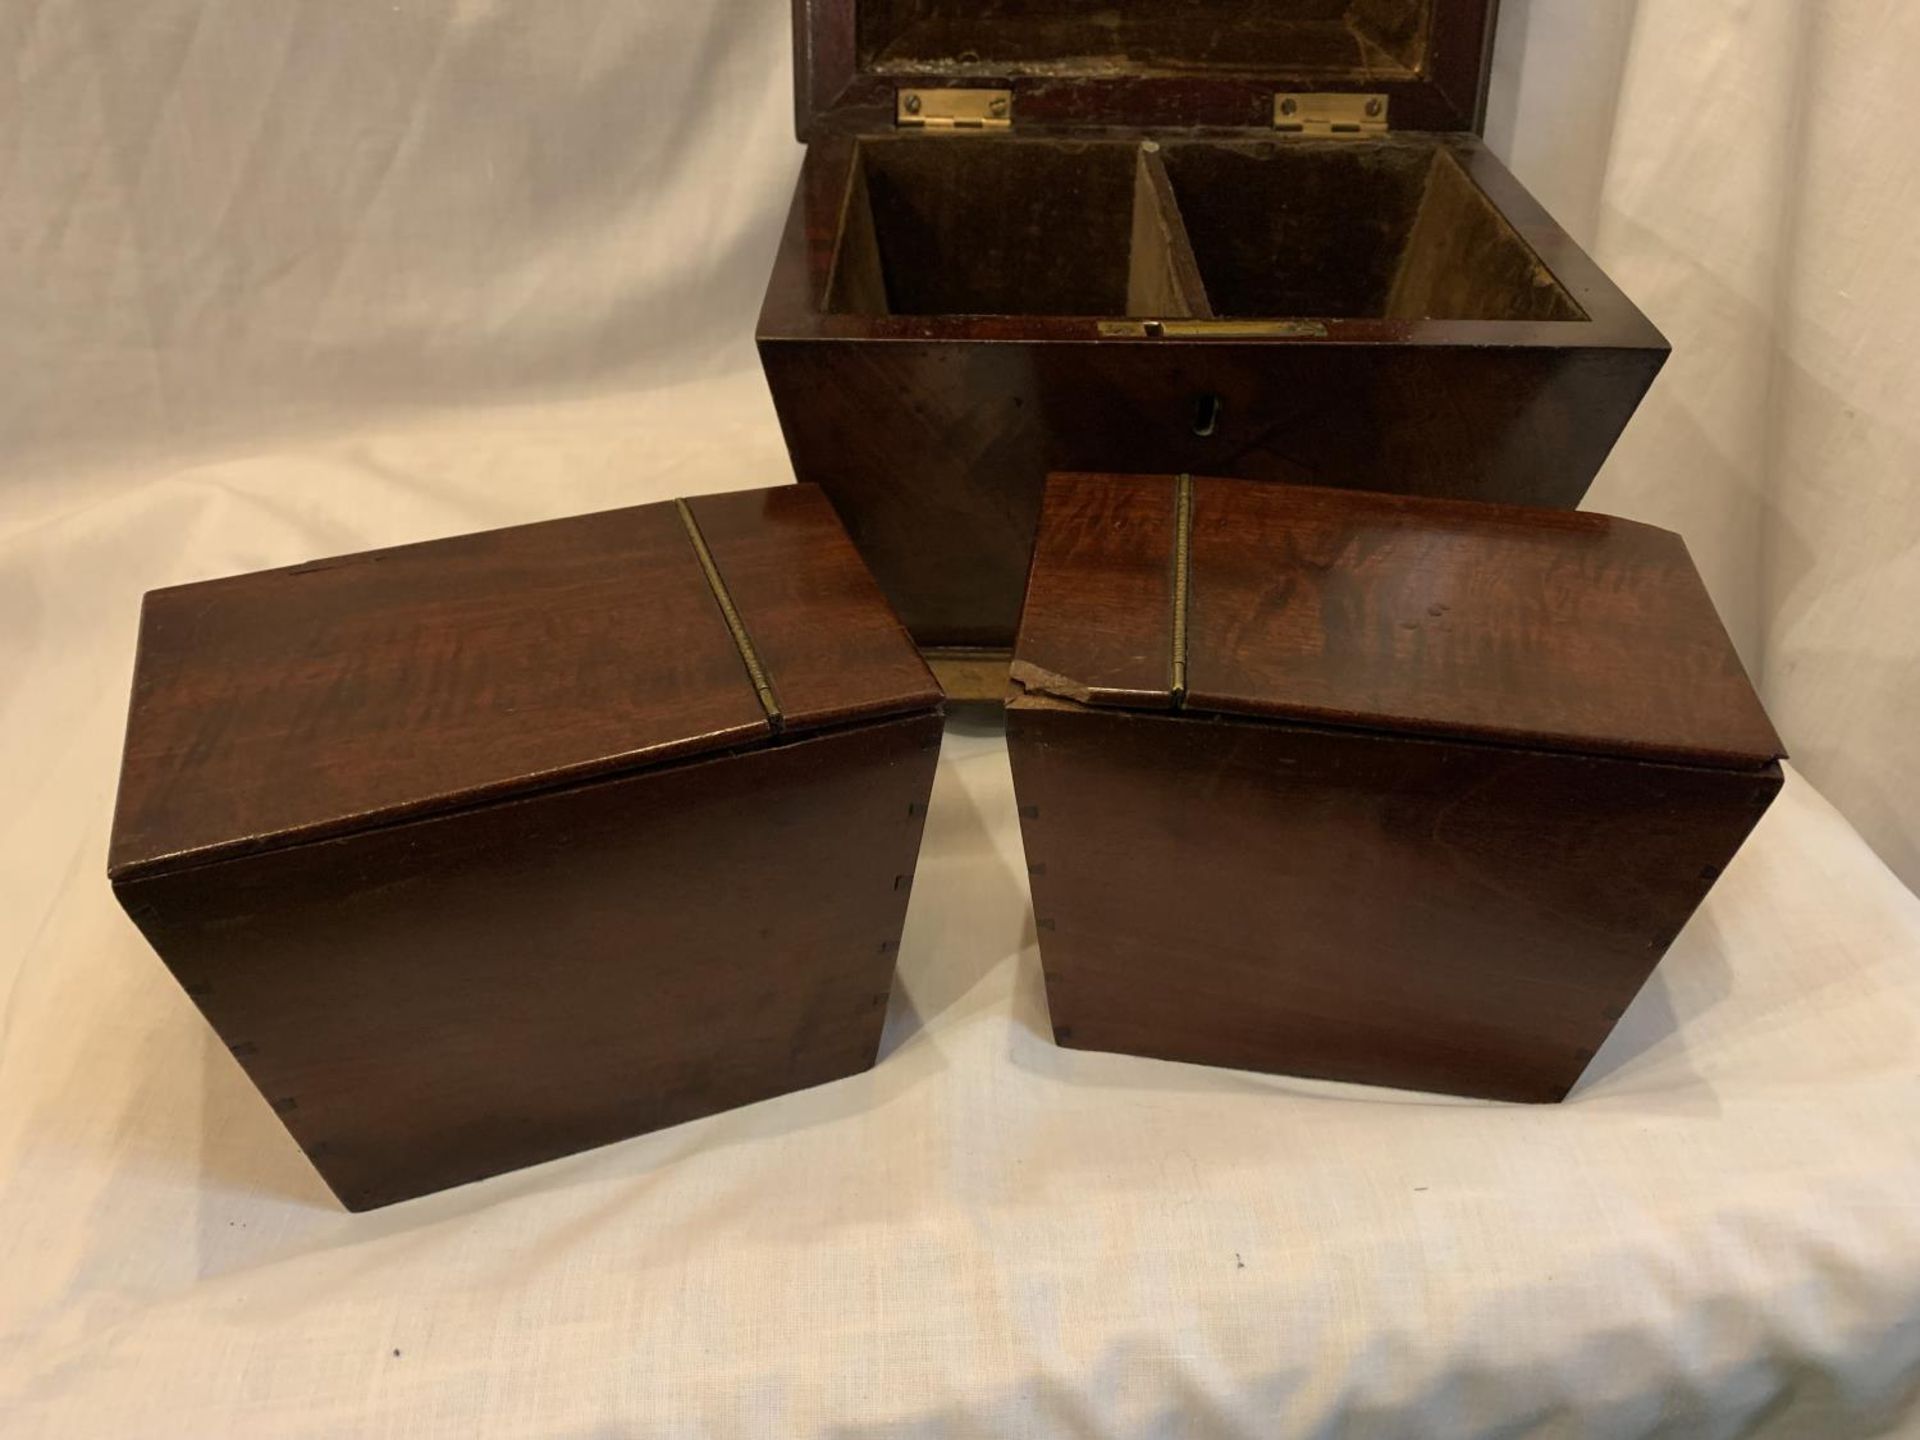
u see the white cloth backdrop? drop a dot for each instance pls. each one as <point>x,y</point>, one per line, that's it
<point>280,278</point>
<point>1735,165</point>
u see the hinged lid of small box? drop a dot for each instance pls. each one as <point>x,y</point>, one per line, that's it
<point>1550,629</point>
<point>1145,62</point>
<point>304,703</point>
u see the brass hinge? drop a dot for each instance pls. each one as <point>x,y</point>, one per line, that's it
<point>955,110</point>
<point>730,613</point>
<point>1212,329</point>
<point>1330,114</point>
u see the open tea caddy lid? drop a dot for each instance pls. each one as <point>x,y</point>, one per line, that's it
<point>1306,66</point>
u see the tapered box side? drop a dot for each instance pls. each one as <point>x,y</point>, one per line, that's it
<point>1365,787</point>
<point>436,1002</point>
<point>1469,919</point>
<point>489,849</point>
<point>935,452</point>
<point>1440,373</point>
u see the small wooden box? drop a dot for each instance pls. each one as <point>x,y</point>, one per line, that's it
<point>483,851</point>
<point>1234,237</point>
<point>1364,787</point>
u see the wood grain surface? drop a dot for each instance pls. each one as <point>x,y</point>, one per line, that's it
<point>933,432</point>
<point>833,648</point>
<point>487,850</point>
<point>1563,630</point>
<point>304,701</point>
<point>295,703</point>
<point>433,1002</point>
<point>1098,620</point>
<point>1470,919</point>
<point>1558,630</point>
<point>1444,782</point>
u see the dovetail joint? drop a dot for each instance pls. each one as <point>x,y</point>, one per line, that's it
<point>743,642</point>
<point>1182,583</point>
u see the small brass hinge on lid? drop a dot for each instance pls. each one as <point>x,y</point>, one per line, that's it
<point>954,110</point>
<point>1211,329</point>
<point>1330,115</point>
<point>730,613</point>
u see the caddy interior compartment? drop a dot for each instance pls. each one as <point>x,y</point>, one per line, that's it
<point>992,225</point>
<point>1354,229</point>
<point>1291,228</point>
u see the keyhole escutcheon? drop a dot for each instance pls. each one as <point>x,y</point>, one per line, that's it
<point>1206,416</point>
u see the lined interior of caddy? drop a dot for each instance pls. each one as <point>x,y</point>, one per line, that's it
<point>1186,228</point>
<point>1348,38</point>
<point>1285,228</point>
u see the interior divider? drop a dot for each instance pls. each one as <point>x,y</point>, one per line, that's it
<point>1005,225</point>
<point>1163,280</point>
<point>858,282</point>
